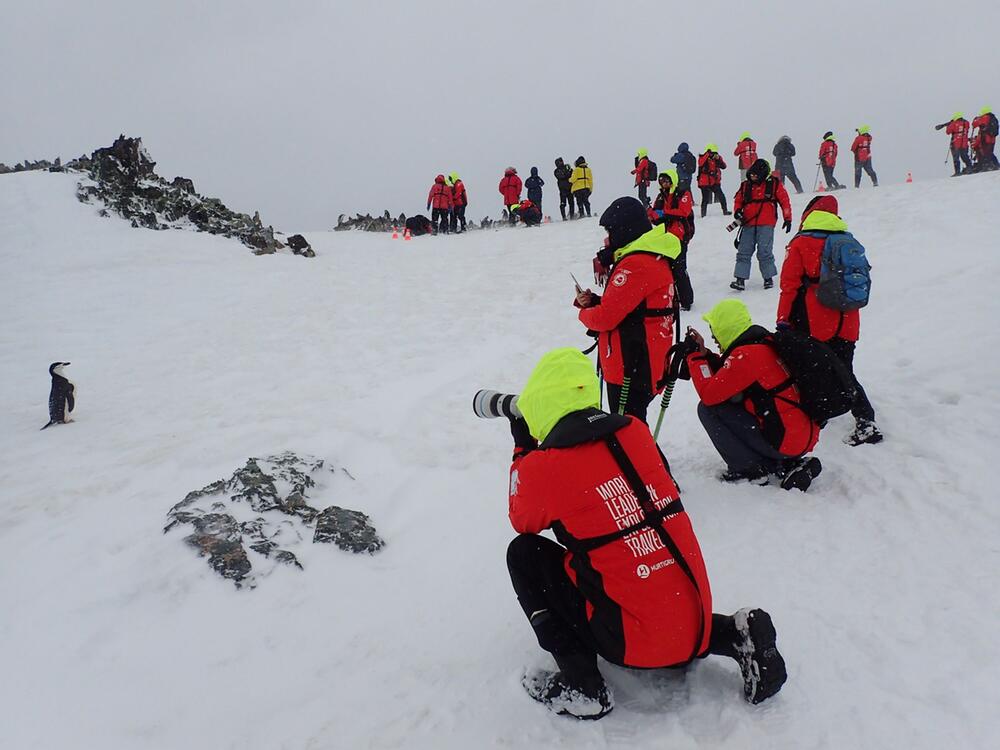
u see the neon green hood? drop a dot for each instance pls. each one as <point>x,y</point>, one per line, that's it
<point>711,147</point>
<point>744,135</point>
<point>864,130</point>
<point>728,319</point>
<point>453,177</point>
<point>823,221</point>
<point>641,153</point>
<point>562,382</point>
<point>830,138</point>
<point>985,110</point>
<point>657,240</point>
<point>672,174</point>
<point>958,116</point>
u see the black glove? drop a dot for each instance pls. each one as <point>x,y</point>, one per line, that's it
<point>787,226</point>
<point>521,434</point>
<point>738,215</point>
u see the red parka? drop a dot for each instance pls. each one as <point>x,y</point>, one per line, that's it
<point>745,371</point>
<point>828,152</point>
<point>759,202</point>
<point>629,335</point>
<point>641,605</point>
<point>797,303</point>
<point>440,194</point>
<point>959,132</point>
<point>676,212</point>
<point>641,172</point>
<point>979,123</point>
<point>459,196</point>
<point>510,187</point>
<point>862,147</point>
<point>710,166</point>
<point>746,151</point>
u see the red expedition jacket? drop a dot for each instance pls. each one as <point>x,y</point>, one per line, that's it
<point>642,607</point>
<point>710,166</point>
<point>678,213</point>
<point>797,303</point>
<point>628,340</point>
<point>746,150</point>
<point>641,172</point>
<point>459,196</point>
<point>440,194</point>
<point>510,188</point>
<point>959,132</point>
<point>745,371</point>
<point>828,153</point>
<point>862,147</point>
<point>759,202</point>
<point>979,123</point>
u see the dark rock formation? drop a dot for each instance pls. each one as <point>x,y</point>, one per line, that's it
<point>298,245</point>
<point>274,492</point>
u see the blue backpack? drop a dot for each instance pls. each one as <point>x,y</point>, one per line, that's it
<point>844,281</point>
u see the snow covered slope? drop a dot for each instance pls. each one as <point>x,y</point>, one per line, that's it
<point>191,355</point>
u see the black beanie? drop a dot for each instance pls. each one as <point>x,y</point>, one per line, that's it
<point>759,169</point>
<point>626,221</point>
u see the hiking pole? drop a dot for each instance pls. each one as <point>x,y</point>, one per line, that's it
<point>623,396</point>
<point>672,371</point>
<point>816,181</point>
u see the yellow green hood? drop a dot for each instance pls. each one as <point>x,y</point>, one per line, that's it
<point>672,174</point>
<point>745,135</point>
<point>711,147</point>
<point>562,382</point>
<point>823,221</point>
<point>985,110</point>
<point>728,319</point>
<point>863,130</point>
<point>641,153</point>
<point>657,240</point>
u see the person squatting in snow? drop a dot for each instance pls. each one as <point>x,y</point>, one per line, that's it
<point>626,580</point>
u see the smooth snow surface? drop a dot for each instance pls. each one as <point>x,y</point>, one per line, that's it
<point>191,355</point>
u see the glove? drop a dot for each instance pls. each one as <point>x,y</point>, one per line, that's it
<point>428,207</point>
<point>782,325</point>
<point>521,434</point>
<point>787,226</point>
<point>601,272</point>
<point>738,214</point>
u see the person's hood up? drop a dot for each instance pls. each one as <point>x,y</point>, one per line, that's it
<point>711,148</point>
<point>820,215</point>
<point>559,162</point>
<point>958,116</point>
<point>985,110</point>
<point>728,320</point>
<point>672,174</point>
<point>785,138</point>
<point>534,171</point>
<point>683,148</point>
<point>864,130</point>
<point>745,136</point>
<point>439,179</point>
<point>828,136</point>
<point>641,153</point>
<point>562,382</point>
<point>657,241</point>
<point>509,171</point>
<point>454,178</point>
<point>580,161</point>
<point>760,169</point>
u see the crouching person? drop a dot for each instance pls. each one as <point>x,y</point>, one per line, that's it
<point>626,581</point>
<point>749,404</point>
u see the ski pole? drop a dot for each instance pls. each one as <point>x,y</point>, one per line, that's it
<point>668,391</point>
<point>623,396</point>
<point>816,181</point>
<point>674,363</point>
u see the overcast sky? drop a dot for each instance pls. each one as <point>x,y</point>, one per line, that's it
<point>304,110</point>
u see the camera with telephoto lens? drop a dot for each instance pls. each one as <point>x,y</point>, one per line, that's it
<point>734,225</point>
<point>493,404</point>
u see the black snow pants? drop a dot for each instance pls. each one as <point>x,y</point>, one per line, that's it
<point>457,215</point>
<point>867,166</point>
<point>582,201</point>
<point>963,155</point>
<point>707,193</point>
<point>736,435</point>
<point>566,196</point>
<point>862,407</point>
<point>787,169</point>
<point>681,279</point>
<point>441,219</point>
<point>831,181</point>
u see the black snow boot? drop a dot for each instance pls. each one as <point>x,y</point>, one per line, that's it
<point>865,431</point>
<point>800,473</point>
<point>762,666</point>
<point>738,284</point>
<point>768,283</point>
<point>749,475</point>
<point>576,690</point>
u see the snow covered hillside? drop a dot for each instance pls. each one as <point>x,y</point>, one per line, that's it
<point>191,355</point>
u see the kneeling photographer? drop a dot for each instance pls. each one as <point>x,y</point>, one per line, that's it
<point>627,580</point>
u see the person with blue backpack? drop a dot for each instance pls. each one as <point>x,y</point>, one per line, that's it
<point>825,281</point>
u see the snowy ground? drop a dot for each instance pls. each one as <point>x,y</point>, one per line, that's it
<point>190,355</point>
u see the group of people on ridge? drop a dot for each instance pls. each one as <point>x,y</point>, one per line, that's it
<point>575,186</point>
<point>447,201</point>
<point>627,580</point>
<point>983,138</point>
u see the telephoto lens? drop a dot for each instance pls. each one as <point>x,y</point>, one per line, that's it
<point>493,404</point>
<point>734,225</point>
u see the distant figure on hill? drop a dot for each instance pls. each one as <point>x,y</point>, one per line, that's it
<point>563,174</point>
<point>534,185</point>
<point>828,160</point>
<point>783,152</point>
<point>686,165</point>
<point>529,213</point>
<point>510,189</point>
<point>958,129</point>
<point>746,154</point>
<point>642,175</point>
<point>460,199</point>
<point>440,200</point>
<point>862,149</point>
<point>710,166</point>
<point>986,137</point>
<point>582,181</point>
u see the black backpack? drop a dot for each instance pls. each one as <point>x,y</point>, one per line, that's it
<point>992,126</point>
<point>826,388</point>
<point>651,173</point>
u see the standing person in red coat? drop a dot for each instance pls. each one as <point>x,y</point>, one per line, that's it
<point>627,579</point>
<point>460,199</point>
<point>800,309</point>
<point>440,199</point>
<point>756,205</point>
<point>986,127</point>
<point>958,129</point>
<point>642,175</point>
<point>510,189</point>
<point>828,159</point>
<point>710,166</point>
<point>862,149</point>
<point>746,153</point>
<point>634,319</point>
<point>674,209</point>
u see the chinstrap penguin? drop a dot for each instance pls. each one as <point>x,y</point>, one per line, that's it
<point>61,400</point>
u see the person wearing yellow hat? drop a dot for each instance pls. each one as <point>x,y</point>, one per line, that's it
<point>749,406</point>
<point>626,580</point>
<point>710,166</point>
<point>643,175</point>
<point>862,150</point>
<point>958,129</point>
<point>986,127</point>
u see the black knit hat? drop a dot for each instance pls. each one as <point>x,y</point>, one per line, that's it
<point>759,169</point>
<point>626,221</point>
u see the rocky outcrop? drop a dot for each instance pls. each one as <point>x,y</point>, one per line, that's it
<point>250,523</point>
<point>298,245</point>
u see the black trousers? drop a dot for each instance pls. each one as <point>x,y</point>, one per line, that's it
<point>557,610</point>
<point>867,166</point>
<point>681,279</point>
<point>788,170</point>
<point>441,216</point>
<point>862,407</point>
<point>458,215</point>
<point>637,404</point>
<point>583,201</point>
<point>707,193</point>
<point>963,155</point>
<point>644,193</point>
<point>737,437</point>
<point>831,181</point>
<point>565,196</point>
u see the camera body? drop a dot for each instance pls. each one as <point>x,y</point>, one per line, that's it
<point>493,404</point>
<point>733,225</point>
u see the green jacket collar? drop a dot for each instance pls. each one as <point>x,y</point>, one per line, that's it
<point>657,241</point>
<point>823,221</point>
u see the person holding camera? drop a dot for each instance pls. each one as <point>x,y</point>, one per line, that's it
<point>633,319</point>
<point>749,405</point>
<point>710,166</point>
<point>674,209</point>
<point>756,205</point>
<point>626,580</point>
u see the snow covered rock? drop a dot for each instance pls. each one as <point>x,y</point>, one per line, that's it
<point>247,523</point>
<point>300,246</point>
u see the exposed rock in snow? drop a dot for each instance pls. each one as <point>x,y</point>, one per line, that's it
<point>300,246</point>
<point>348,529</point>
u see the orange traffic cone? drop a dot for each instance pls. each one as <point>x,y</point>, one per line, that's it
<point>548,219</point>
<point>406,235</point>
<point>395,233</point>
<point>909,176</point>
<point>821,188</point>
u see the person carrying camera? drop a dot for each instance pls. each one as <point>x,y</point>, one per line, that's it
<point>674,209</point>
<point>749,406</point>
<point>634,318</point>
<point>756,205</point>
<point>627,579</point>
<point>710,166</point>
<point>563,172</point>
